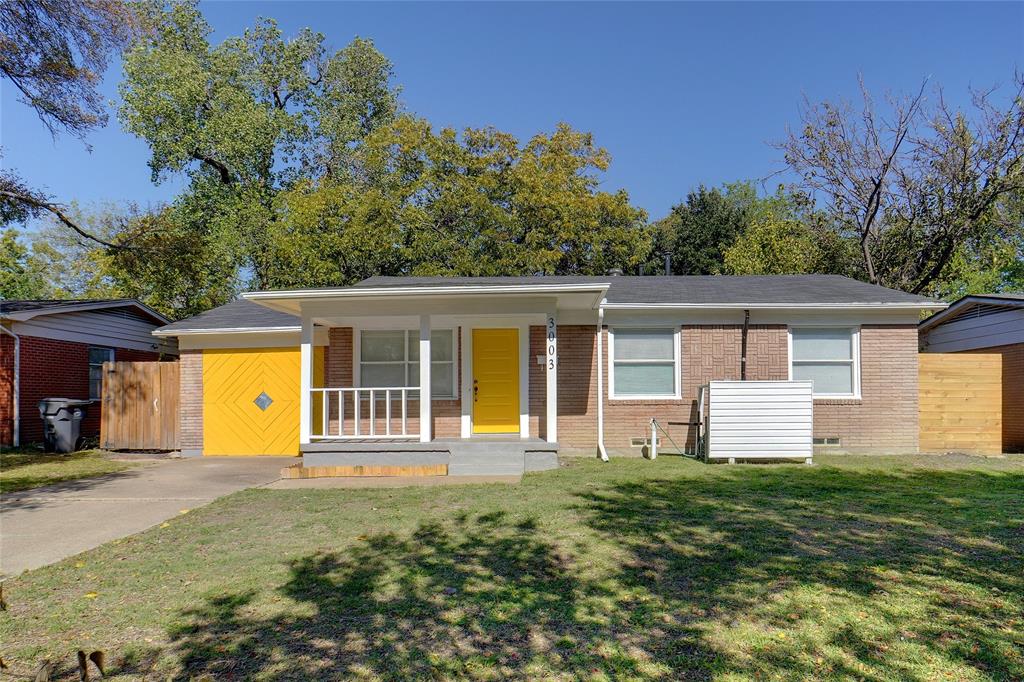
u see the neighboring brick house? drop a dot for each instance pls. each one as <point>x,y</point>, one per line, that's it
<point>518,360</point>
<point>989,323</point>
<point>59,347</point>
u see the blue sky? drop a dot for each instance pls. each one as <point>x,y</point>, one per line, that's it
<point>680,94</point>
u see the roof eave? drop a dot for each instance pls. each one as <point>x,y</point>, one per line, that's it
<point>374,292</point>
<point>964,302</point>
<point>25,315</point>
<point>909,305</point>
<point>224,330</point>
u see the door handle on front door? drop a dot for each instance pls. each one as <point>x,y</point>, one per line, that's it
<point>476,389</point>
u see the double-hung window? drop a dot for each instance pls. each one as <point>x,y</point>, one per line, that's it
<point>645,363</point>
<point>391,358</point>
<point>828,356</point>
<point>97,356</point>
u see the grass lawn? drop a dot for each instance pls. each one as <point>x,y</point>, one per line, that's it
<point>23,469</point>
<point>856,568</point>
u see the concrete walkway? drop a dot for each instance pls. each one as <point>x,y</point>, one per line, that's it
<point>44,525</point>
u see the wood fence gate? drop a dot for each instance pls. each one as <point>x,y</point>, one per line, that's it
<point>961,402</point>
<point>140,406</point>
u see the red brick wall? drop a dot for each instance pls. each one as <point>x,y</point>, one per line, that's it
<point>60,369</point>
<point>707,352</point>
<point>6,389</point>
<point>1013,394</point>
<point>884,420</point>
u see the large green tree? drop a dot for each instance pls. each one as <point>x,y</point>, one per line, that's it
<point>698,231</point>
<point>245,120</point>
<point>786,234</point>
<point>475,203</point>
<point>21,275</point>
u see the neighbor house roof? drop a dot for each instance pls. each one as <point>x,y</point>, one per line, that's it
<point>962,305</point>
<point>26,309</point>
<point>767,291</point>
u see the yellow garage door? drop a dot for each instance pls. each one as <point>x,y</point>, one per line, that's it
<point>251,400</point>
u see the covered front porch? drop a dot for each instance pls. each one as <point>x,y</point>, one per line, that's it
<point>486,402</point>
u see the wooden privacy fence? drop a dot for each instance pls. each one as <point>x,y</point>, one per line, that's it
<point>140,406</point>
<point>961,396</point>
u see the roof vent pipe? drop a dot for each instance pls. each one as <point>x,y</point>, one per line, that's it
<point>615,272</point>
<point>668,263</point>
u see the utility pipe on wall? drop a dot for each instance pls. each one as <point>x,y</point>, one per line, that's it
<point>743,346</point>
<point>600,383</point>
<point>16,435</point>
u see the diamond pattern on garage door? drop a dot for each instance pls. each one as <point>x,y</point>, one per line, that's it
<point>235,421</point>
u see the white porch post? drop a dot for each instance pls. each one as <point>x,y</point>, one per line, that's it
<point>551,375</point>
<point>305,380</point>
<point>425,399</point>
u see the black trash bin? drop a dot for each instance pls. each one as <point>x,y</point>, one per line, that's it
<point>62,422</point>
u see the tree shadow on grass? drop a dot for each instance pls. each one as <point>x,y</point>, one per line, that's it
<point>777,573</point>
<point>804,573</point>
<point>482,598</point>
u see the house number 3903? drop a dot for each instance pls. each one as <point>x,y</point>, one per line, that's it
<point>551,342</point>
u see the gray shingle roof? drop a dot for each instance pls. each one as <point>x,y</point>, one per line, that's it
<point>24,308</point>
<point>238,314</point>
<point>719,289</point>
<point>20,306</point>
<point>724,289</point>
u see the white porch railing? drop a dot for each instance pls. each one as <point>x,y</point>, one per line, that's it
<point>364,413</point>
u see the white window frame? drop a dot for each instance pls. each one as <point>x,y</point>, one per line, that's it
<point>91,364</point>
<point>855,360</point>
<point>414,334</point>
<point>676,361</point>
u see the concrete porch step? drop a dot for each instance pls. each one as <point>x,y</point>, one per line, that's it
<point>452,457</point>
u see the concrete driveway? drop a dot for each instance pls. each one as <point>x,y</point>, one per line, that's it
<point>44,525</point>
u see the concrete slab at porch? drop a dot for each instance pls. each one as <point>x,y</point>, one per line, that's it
<point>447,457</point>
<point>356,482</point>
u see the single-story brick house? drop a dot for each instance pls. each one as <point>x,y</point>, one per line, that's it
<point>56,348</point>
<point>574,363</point>
<point>991,324</point>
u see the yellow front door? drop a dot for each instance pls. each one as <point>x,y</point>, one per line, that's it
<point>251,401</point>
<point>495,381</point>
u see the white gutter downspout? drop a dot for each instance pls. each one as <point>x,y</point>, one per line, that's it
<point>17,385</point>
<point>600,383</point>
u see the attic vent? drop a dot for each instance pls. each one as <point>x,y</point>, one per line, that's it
<point>828,440</point>
<point>983,310</point>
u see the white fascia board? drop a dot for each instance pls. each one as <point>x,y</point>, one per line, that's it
<point>368,292</point>
<point>773,306</point>
<point>290,301</point>
<point>225,330</point>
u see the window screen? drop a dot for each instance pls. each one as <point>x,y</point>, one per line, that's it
<point>644,362</point>
<point>825,355</point>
